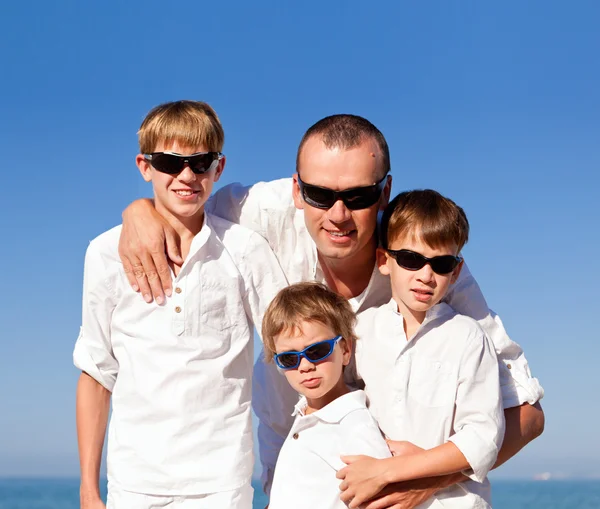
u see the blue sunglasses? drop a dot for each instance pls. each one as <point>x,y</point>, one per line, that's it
<point>312,353</point>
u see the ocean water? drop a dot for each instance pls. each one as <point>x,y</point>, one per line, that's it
<point>64,494</point>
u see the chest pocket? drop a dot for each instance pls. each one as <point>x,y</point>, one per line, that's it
<point>431,382</point>
<point>221,304</point>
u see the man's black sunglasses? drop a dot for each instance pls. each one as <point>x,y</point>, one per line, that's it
<point>410,260</point>
<point>355,199</point>
<point>173,164</point>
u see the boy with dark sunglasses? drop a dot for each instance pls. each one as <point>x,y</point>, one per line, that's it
<point>431,374</point>
<point>308,331</point>
<point>178,372</point>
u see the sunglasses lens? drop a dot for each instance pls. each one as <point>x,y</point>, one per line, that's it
<point>409,260</point>
<point>318,196</point>
<point>202,163</point>
<point>318,351</point>
<point>167,163</point>
<point>444,264</point>
<point>287,360</point>
<point>361,198</point>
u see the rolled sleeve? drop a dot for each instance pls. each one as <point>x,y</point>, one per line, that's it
<point>479,417</point>
<point>93,350</point>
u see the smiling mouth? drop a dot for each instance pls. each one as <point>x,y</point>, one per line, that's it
<point>185,192</point>
<point>344,233</point>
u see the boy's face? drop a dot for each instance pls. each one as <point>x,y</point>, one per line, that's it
<point>182,195</point>
<point>416,291</point>
<point>314,380</point>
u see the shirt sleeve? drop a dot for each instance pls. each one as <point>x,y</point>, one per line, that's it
<point>93,350</point>
<point>479,416</point>
<point>517,384</point>
<point>363,437</point>
<point>273,401</point>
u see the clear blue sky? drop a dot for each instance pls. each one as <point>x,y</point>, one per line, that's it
<point>495,104</point>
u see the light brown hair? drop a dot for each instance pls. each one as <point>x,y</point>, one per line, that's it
<point>306,302</point>
<point>427,215</point>
<point>346,132</point>
<point>189,123</point>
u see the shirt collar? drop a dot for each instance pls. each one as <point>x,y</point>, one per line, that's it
<point>337,409</point>
<point>440,310</point>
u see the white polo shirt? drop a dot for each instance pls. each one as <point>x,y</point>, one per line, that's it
<point>440,385</point>
<point>268,209</point>
<point>180,374</point>
<point>305,476</point>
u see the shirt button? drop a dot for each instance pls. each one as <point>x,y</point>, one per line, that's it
<point>177,309</point>
<point>295,436</point>
<point>508,366</point>
<point>177,290</point>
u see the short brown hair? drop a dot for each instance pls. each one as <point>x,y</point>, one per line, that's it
<point>306,302</point>
<point>189,123</point>
<point>346,131</point>
<point>425,214</point>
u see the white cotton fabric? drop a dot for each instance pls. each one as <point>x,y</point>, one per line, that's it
<point>180,374</point>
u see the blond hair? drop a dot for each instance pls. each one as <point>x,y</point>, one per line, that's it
<point>188,123</point>
<point>306,302</point>
<point>424,214</point>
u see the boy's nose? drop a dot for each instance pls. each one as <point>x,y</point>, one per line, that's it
<point>187,175</point>
<point>305,365</point>
<point>425,274</point>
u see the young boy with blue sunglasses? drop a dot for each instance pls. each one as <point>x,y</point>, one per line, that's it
<point>431,375</point>
<point>308,331</point>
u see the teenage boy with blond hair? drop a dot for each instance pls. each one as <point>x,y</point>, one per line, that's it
<point>308,331</point>
<point>179,372</point>
<point>431,374</point>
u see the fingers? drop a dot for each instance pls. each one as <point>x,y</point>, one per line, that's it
<point>173,251</point>
<point>153,283</point>
<point>350,459</point>
<point>341,473</point>
<point>128,268</point>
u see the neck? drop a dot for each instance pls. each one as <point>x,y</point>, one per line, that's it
<point>312,405</point>
<point>186,228</point>
<point>350,276</point>
<point>412,319</point>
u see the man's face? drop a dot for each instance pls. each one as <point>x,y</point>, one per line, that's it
<point>339,232</point>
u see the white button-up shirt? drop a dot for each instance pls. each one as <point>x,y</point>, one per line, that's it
<point>180,374</point>
<point>310,457</point>
<point>268,209</point>
<point>440,385</point>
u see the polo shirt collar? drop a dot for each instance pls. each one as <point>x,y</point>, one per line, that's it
<point>337,409</point>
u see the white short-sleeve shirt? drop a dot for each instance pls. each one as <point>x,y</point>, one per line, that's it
<point>440,385</point>
<point>305,475</point>
<point>180,373</point>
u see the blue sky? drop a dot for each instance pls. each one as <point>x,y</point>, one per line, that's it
<point>494,104</point>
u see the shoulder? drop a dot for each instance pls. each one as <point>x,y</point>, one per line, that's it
<point>462,328</point>
<point>104,248</point>
<point>234,237</point>
<point>369,319</point>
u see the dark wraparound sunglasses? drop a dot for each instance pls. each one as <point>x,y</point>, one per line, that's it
<point>173,164</point>
<point>410,260</point>
<point>355,199</point>
<point>313,353</point>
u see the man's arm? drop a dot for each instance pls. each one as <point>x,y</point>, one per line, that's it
<point>92,407</point>
<point>147,239</point>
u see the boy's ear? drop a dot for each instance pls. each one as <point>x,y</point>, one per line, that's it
<point>382,259</point>
<point>346,346</point>
<point>144,167</point>
<point>220,168</point>
<point>298,201</point>
<point>456,272</point>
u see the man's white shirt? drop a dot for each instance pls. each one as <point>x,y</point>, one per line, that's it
<point>310,457</point>
<point>268,209</point>
<point>440,385</point>
<point>180,374</point>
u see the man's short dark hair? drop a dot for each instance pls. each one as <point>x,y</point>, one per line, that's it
<point>346,132</point>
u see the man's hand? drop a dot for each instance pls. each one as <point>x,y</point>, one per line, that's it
<point>362,479</point>
<point>403,448</point>
<point>142,250</point>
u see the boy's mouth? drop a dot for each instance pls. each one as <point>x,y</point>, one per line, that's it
<point>311,383</point>
<point>422,295</point>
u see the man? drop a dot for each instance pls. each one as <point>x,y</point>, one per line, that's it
<point>321,224</point>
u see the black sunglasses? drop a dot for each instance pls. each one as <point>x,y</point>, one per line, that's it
<point>355,199</point>
<point>410,260</point>
<point>173,164</point>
